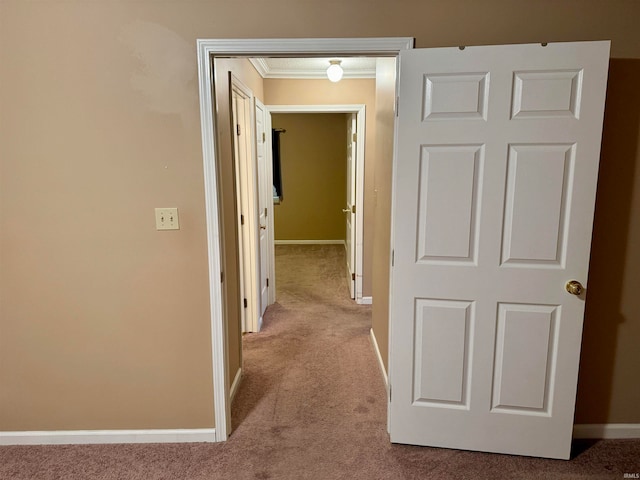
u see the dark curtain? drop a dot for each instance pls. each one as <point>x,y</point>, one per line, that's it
<point>277,174</point>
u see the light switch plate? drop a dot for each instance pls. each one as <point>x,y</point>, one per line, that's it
<point>167,219</point>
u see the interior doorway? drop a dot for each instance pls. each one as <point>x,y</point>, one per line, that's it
<point>207,51</point>
<point>351,210</point>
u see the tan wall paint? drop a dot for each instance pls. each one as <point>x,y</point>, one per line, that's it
<point>385,117</point>
<point>608,387</point>
<point>314,176</point>
<point>249,77</point>
<point>347,91</point>
<point>104,322</point>
<point>103,319</point>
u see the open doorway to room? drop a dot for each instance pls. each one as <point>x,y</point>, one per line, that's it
<point>219,173</point>
<point>321,163</point>
<point>320,200</point>
<point>228,338</point>
<point>311,207</point>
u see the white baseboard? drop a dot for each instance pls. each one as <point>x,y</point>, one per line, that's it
<point>374,342</point>
<point>365,301</point>
<point>76,437</point>
<point>607,430</point>
<point>309,242</point>
<point>235,385</point>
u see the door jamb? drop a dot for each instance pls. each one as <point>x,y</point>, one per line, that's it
<point>207,50</point>
<point>359,110</point>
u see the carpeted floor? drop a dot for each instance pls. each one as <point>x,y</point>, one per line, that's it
<point>311,406</point>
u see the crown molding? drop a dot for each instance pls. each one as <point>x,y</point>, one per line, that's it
<point>267,71</point>
<point>261,66</point>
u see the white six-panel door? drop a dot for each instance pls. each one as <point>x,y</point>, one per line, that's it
<point>495,174</point>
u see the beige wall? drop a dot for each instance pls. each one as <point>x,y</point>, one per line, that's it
<point>103,319</point>
<point>385,116</point>
<point>313,154</point>
<point>608,387</point>
<point>104,322</point>
<point>345,92</point>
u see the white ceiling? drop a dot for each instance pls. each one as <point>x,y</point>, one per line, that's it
<point>354,67</point>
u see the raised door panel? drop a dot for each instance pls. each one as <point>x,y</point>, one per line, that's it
<point>442,353</point>
<point>459,96</point>
<point>539,179</point>
<point>449,180</point>
<point>525,356</point>
<point>547,94</point>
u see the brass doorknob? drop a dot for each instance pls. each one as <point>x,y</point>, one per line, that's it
<point>346,210</point>
<point>574,287</point>
<point>263,227</point>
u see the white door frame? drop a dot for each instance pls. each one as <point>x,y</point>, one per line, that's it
<point>207,50</point>
<point>359,110</point>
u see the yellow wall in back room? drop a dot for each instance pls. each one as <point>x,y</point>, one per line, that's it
<point>104,322</point>
<point>313,155</point>
<point>351,91</point>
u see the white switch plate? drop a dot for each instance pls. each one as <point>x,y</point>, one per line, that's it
<point>167,219</point>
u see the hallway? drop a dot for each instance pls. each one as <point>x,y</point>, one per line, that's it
<point>312,391</point>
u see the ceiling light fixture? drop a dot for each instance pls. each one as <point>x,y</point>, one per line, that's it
<point>334,72</point>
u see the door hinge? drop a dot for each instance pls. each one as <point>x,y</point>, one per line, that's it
<point>266,212</point>
<point>241,219</point>
<point>393,257</point>
<point>389,393</point>
<point>264,137</point>
<point>353,276</point>
<point>267,282</point>
<point>355,137</point>
<point>397,105</point>
<point>245,303</point>
<point>353,209</point>
<point>238,129</point>
<point>221,277</point>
